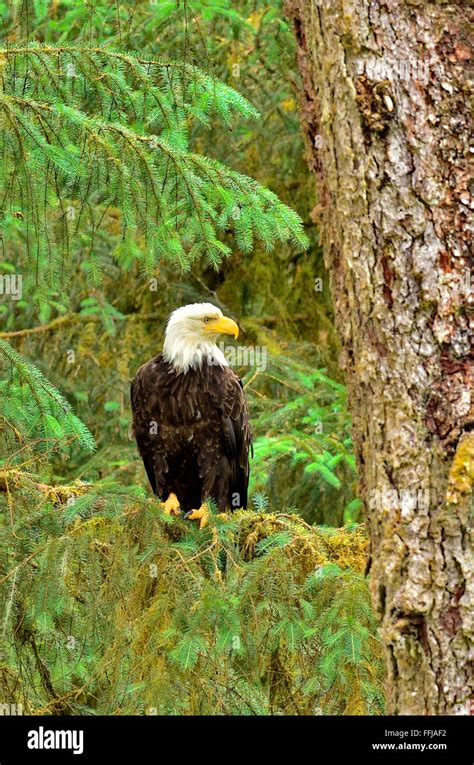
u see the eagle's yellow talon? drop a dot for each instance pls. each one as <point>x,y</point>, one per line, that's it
<point>223,516</point>
<point>202,515</point>
<point>171,506</point>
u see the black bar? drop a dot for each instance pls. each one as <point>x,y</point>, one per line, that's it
<point>155,739</point>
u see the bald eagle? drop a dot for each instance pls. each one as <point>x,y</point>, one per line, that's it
<point>190,417</point>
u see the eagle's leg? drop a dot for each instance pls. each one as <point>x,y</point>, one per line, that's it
<point>171,506</point>
<point>225,510</point>
<point>202,515</point>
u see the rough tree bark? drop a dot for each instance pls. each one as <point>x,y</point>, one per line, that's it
<point>385,112</point>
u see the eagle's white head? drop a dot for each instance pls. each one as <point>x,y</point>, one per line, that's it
<point>191,335</point>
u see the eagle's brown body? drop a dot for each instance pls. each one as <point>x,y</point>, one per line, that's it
<point>193,434</point>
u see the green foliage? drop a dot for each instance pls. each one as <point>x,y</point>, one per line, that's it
<point>33,413</point>
<point>302,429</point>
<point>114,609</point>
<point>88,129</point>
<point>345,627</point>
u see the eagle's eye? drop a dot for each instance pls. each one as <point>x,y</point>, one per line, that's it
<point>208,319</point>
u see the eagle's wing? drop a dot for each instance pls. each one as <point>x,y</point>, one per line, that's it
<point>217,425</point>
<point>237,437</point>
<point>146,423</point>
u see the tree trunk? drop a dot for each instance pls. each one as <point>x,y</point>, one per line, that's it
<point>385,112</point>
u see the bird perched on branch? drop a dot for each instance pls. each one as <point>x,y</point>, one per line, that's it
<point>190,417</point>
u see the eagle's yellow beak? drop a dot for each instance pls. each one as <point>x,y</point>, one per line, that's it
<point>223,324</point>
